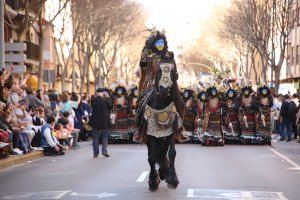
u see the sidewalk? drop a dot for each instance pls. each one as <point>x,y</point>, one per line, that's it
<point>17,159</point>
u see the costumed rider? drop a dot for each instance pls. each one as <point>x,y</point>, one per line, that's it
<point>263,119</point>
<point>154,52</point>
<point>247,113</point>
<point>231,125</point>
<point>212,134</point>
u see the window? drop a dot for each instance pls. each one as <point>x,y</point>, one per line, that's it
<point>293,57</point>
<point>297,55</point>
<point>298,16</point>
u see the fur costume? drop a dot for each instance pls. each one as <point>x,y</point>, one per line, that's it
<point>263,119</point>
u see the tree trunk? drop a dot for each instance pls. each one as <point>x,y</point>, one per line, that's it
<point>277,78</point>
<point>41,62</point>
<point>264,70</point>
<point>247,66</point>
<point>63,81</point>
<point>88,84</point>
<point>41,52</point>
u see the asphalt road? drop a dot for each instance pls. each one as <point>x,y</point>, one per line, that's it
<point>230,172</point>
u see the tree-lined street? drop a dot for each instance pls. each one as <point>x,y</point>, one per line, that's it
<point>232,172</point>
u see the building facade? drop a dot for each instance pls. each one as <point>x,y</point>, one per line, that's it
<point>14,32</point>
<point>292,71</point>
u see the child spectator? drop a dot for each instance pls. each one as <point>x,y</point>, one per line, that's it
<point>62,135</point>
<point>50,144</point>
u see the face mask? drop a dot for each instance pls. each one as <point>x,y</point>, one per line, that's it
<point>203,97</point>
<point>186,95</point>
<point>214,92</point>
<point>230,94</point>
<point>160,44</point>
<point>136,92</point>
<point>264,92</point>
<point>119,91</point>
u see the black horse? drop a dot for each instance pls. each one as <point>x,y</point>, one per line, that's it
<point>162,107</point>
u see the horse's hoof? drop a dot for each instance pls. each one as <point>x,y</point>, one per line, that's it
<point>153,188</point>
<point>172,182</point>
<point>153,185</point>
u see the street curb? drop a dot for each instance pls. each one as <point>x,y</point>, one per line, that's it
<point>17,159</point>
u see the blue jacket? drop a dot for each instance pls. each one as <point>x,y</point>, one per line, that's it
<point>44,142</point>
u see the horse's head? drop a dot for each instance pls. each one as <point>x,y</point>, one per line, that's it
<point>165,78</point>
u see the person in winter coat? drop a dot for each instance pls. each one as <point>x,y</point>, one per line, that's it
<point>286,117</point>
<point>100,120</point>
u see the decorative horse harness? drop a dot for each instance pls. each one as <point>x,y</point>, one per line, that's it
<point>160,122</point>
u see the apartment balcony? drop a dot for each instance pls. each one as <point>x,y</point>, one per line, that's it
<point>17,7</point>
<point>32,53</point>
<point>14,4</point>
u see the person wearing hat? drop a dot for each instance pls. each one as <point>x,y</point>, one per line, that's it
<point>213,135</point>
<point>121,108</point>
<point>202,99</point>
<point>190,112</point>
<point>155,51</point>
<point>133,96</point>
<point>100,120</point>
<point>247,115</point>
<point>231,125</point>
<point>263,119</point>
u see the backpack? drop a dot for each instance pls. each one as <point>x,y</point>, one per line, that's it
<point>292,109</point>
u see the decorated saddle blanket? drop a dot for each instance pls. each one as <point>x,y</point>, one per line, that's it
<point>161,122</point>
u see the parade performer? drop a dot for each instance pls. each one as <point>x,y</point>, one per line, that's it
<point>247,113</point>
<point>121,109</point>
<point>190,113</point>
<point>201,106</point>
<point>230,117</point>
<point>133,96</point>
<point>263,119</point>
<point>155,49</point>
<point>212,134</point>
<point>159,110</point>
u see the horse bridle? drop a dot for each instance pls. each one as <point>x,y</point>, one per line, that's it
<point>165,79</point>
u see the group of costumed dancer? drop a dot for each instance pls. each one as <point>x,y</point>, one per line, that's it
<point>231,117</point>
<point>124,106</point>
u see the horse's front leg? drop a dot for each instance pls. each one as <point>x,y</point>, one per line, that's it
<point>162,158</point>
<point>171,178</point>
<point>153,177</point>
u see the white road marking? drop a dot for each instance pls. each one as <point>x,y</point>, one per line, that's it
<point>142,177</point>
<point>63,193</point>
<point>38,195</point>
<point>99,196</point>
<point>234,194</point>
<point>19,196</point>
<point>295,165</point>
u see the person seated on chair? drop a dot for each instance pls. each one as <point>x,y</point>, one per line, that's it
<point>50,144</point>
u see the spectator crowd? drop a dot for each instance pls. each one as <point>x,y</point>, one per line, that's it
<point>37,120</point>
<point>55,123</point>
<point>286,117</point>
